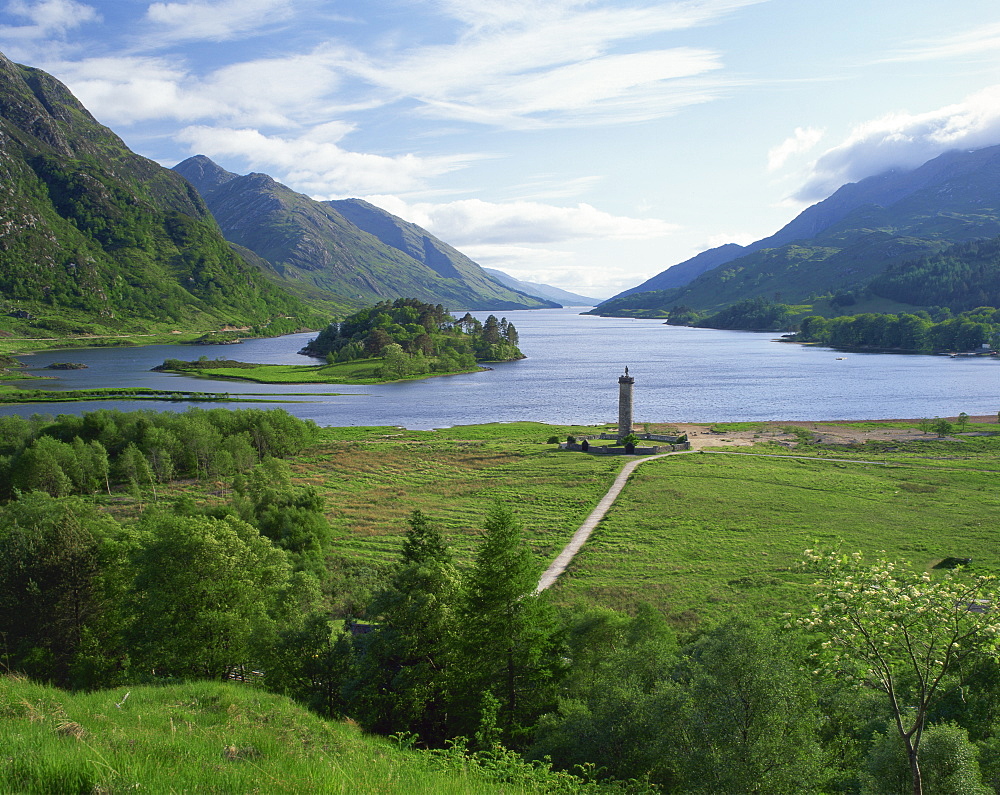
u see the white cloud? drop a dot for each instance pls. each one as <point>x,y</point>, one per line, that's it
<point>48,17</point>
<point>123,90</point>
<point>555,266</point>
<point>549,63</point>
<point>905,140</point>
<point>472,222</point>
<point>282,92</point>
<point>218,21</point>
<point>268,92</point>
<point>318,166</point>
<point>981,39</point>
<point>802,140</point>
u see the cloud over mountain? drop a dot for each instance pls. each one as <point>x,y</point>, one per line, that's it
<point>474,221</point>
<point>905,140</point>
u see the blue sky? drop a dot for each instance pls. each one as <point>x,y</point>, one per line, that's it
<point>588,144</point>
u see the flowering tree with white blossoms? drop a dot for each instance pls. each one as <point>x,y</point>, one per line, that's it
<point>901,632</point>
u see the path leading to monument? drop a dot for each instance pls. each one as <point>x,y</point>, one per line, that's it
<point>558,566</point>
<point>580,537</point>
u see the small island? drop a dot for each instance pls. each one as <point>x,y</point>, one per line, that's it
<point>66,366</point>
<point>404,339</point>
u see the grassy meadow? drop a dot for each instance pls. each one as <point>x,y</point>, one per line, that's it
<point>701,533</point>
<point>360,372</point>
<point>373,478</point>
<point>696,534</point>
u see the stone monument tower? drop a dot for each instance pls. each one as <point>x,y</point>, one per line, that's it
<point>625,384</point>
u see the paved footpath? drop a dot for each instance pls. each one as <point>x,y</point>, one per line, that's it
<point>580,536</point>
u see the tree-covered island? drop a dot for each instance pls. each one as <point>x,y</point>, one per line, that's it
<point>391,341</point>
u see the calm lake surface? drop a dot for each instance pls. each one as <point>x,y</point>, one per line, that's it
<point>571,376</point>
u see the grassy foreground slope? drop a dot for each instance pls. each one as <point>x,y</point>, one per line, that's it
<point>211,737</point>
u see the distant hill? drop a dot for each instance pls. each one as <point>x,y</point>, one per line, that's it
<point>350,250</point>
<point>546,291</point>
<point>96,238</point>
<point>842,243</point>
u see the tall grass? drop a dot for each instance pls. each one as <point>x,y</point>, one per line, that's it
<point>208,737</point>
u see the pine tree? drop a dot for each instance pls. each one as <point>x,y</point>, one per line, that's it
<point>401,677</point>
<point>508,632</point>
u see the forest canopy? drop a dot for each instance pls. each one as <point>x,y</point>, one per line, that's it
<point>409,332</point>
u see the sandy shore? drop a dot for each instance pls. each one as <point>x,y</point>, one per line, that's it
<point>701,435</point>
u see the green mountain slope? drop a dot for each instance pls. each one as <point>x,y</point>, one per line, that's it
<point>94,237</point>
<point>445,260</point>
<point>843,243</point>
<point>962,277</point>
<point>312,244</point>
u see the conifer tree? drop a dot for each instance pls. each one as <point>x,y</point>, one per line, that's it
<point>508,632</point>
<point>400,681</point>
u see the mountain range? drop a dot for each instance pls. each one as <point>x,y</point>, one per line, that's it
<point>352,252</point>
<point>95,238</point>
<point>564,297</point>
<point>842,244</point>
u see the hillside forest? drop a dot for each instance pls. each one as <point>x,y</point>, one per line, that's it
<point>838,695</point>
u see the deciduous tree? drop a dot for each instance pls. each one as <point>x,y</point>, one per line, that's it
<point>902,633</point>
<point>203,588</point>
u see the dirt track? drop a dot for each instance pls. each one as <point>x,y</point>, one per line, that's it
<point>701,436</point>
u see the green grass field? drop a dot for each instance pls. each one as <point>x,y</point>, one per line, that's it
<point>374,478</point>
<point>699,534</point>
<point>696,534</point>
<point>363,371</point>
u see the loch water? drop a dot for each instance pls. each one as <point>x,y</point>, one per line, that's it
<point>571,377</point>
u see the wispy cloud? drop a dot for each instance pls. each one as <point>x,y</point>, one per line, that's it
<point>549,63</point>
<point>981,39</point>
<point>905,140</point>
<point>522,222</point>
<point>549,186</point>
<point>47,18</point>
<point>219,21</point>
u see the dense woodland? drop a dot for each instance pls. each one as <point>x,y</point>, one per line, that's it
<point>245,588</point>
<point>967,331</point>
<point>919,332</point>
<point>962,277</point>
<point>414,337</point>
<point>751,314</point>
